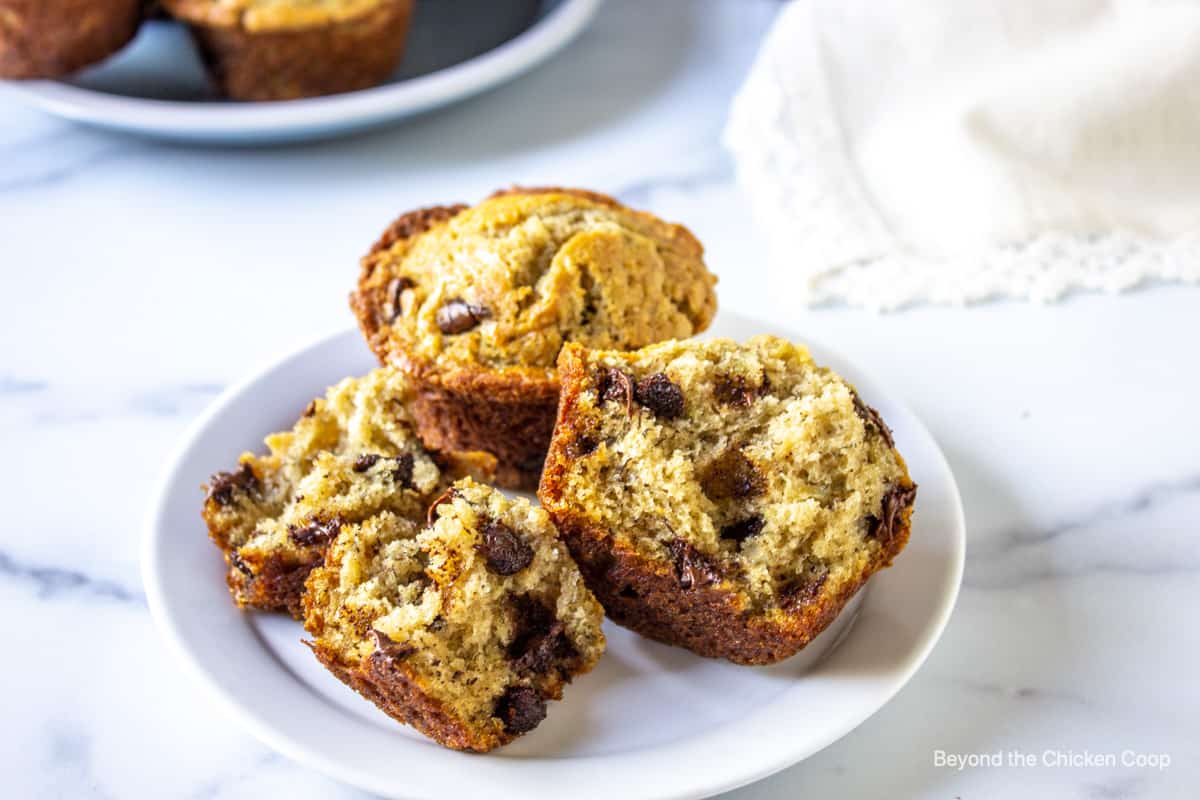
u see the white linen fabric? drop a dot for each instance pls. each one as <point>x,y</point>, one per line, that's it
<point>948,151</point>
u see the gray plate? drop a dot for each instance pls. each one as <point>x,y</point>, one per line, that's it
<point>157,85</point>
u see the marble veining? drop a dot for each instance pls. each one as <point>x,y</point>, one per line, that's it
<point>49,582</point>
<point>139,280</point>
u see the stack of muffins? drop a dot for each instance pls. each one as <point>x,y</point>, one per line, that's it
<point>727,498</point>
<point>252,49</point>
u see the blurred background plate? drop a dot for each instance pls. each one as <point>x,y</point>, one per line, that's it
<point>157,87</point>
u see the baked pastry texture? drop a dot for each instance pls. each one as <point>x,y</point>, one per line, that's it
<point>351,455</point>
<point>53,38</point>
<point>463,628</point>
<point>726,498</point>
<point>287,49</point>
<point>475,304</point>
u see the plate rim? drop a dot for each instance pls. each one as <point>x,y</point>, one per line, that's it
<point>283,742</point>
<point>311,116</point>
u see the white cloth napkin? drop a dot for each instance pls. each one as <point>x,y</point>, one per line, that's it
<point>906,151</point>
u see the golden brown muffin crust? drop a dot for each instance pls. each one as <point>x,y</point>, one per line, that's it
<point>53,38</point>
<point>504,284</point>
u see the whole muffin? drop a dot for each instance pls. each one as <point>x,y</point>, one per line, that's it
<point>728,498</point>
<point>475,304</point>
<point>287,49</point>
<point>53,38</point>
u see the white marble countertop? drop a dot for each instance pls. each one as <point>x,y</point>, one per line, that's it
<point>139,279</point>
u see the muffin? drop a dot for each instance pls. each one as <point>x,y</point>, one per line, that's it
<point>351,455</point>
<point>474,305</point>
<point>463,628</point>
<point>286,49</point>
<point>53,38</point>
<point>726,498</point>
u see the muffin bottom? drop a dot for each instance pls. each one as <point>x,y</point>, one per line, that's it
<point>645,596</point>
<point>512,419</point>
<point>308,62</point>
<point>42,39</point>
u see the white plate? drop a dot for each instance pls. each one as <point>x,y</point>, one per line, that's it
<point>650,721</point>
<point>156,86</point>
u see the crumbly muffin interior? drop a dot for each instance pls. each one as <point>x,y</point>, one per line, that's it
<point>506,283</point>
<point>481,604</point>
<point>745,463</point>
<point>351,454</point>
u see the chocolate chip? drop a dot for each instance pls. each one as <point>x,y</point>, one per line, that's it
<point>458,316</point>
<point>871,419</point>
<point>692,567</point>
<point>615,386</point>
<point>803,590</point>
<point>241,566</point>
<point>732,474</point>
<point>395,288</point>
<point>387,648</point>
<point>311,409</point>
<point>225,484</point>
<point>582,445</point>
<point>539,639</point>
<point>403,472</point>
<point>437,624</point>
<point>315,532</point>
<point>659,394</point>
<point>366,461</point>
<point>732,390</point>
<point>505,552</point>
<point>521,709</point>
<point>895,501</point>
<point>743,529</point>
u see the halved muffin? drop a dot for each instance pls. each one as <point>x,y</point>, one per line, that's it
<point>728,498</point>
<point>53,38</point>
<point>475,304</point>
<point>463,628</point>
<point>352,454</point>
<point>287,49</point>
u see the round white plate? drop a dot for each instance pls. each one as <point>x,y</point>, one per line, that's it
<point>650,721</point>
<point>156,86</point>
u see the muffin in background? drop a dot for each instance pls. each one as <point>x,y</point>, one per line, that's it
<point>288,49</point>
<point>53,38</point>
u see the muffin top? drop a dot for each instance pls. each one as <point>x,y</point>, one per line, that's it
<point>269,15</point>
<point>505,284</point>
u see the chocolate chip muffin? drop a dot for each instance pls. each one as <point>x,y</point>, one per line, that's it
<point>287,49</point>
<point>463,628</point>
<point>726,498</point>
<point>53,38</point>
<point>352,454</point>
<point>475,304</point>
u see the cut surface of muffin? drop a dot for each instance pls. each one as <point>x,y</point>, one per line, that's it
<point>476,304</point>
<point>463,628</point>
<point>352,454</point>
<point>729,498</point>
<point>288,49</point>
